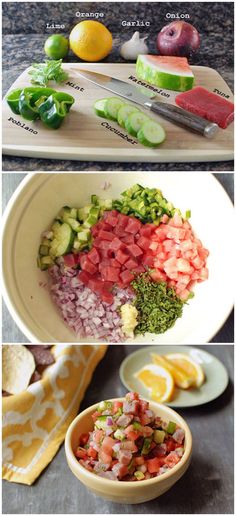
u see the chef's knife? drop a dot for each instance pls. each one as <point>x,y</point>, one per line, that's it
<point>130,92</point>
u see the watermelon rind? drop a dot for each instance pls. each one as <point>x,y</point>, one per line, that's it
<point>167,81</point>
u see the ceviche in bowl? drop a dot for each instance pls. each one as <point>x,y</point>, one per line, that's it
<point>127,449</point>
<point>117,258</point>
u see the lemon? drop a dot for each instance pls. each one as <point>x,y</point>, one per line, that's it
<point>56,46</point>
<point>189,366</point>
<point>181,378</point>
<point>90,40</point>
<point>158,381</point>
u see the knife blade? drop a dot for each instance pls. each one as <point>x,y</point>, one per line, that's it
<point>132,93</point>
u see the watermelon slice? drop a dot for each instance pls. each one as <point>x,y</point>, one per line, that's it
<point>168,72</point>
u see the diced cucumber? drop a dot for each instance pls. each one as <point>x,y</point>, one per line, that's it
<point>105,204</point>
<point>74,224</point>
<point>124,112</point>
<point>44,262</point>
<point>62,241</point>
<point>171,427</point>
<point>120,435</point>
<point>83,212</point>
<point>43,250</point>
<point>94,199</point>
<point>139,475</point>
<point>159,436</point>
<point>151,134</point>
<point>146,445</point>
<point>66,213</point>
<point>92,217</point>
<point>135,121</point>
<point>99,107</point>
<point>101,422</point>
<point>112,107</point>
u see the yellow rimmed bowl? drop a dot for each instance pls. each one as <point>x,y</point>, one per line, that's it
<point>126,492</point>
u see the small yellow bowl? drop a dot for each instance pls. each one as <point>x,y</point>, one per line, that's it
<point>126,492</point>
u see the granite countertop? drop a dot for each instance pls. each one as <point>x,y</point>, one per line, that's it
<point>24,34</point>
<point>206,488</point>
<point>11,332</point>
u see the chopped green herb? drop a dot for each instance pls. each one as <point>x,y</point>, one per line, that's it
<point>42,73</point>
<point>158,306</point>
<point>188,214</point>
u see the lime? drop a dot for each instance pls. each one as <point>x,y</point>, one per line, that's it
<point>56,46</point>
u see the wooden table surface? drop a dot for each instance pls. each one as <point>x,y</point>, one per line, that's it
<point>206,488</point>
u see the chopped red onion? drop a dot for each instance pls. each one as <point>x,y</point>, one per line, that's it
<point>82,310</point>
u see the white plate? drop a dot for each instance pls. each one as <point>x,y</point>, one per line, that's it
<point>40,196</point>
<point>216,376</point>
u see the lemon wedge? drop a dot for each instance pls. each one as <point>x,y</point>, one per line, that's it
<point>188,366</point>
<point>181,378</point>
<point>158,381</point>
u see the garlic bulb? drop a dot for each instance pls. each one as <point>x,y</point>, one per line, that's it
<point>132,48</point>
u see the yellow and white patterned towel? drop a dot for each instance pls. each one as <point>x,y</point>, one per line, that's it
<point>35,421</point>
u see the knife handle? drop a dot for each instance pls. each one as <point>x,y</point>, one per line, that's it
<point>184,118</point>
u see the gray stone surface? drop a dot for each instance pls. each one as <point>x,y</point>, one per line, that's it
<point>11,332</point>
<point>24,33</point>
<point>206,488</point>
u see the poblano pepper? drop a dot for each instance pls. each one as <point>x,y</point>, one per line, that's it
<point>40,103</point>
<point>30,100</point>
<point>53,111</point>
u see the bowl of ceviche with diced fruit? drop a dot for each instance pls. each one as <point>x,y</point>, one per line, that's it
<point>128,450</point>
<point>118,258</point>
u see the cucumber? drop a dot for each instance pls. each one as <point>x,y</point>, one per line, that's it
<point>151,134</point>
<point>62,241</point>
<point>112,107</point>
<point>99,107</point>
<point>65,213</point>
<point>135,121</point>
<point>83,212</point>
<point>124,112</point>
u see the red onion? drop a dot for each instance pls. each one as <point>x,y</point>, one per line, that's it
<point>82,310</point>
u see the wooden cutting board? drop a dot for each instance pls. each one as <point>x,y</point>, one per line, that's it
<point>84,136</point>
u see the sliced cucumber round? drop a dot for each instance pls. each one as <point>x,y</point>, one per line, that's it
<point>135,121</point>
<point>124,112</point>
<point>99,107</point>
<point>62,241</point>
<point>151,134</point>
<point>112,107</point>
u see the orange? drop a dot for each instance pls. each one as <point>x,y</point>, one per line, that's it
<point>188,366</point>
<point>90,40</point>
<point>158,381</point>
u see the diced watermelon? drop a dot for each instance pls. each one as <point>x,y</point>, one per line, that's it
<point>144,243</point>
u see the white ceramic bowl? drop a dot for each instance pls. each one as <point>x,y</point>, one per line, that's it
<point>35,204</point>
<point>126,492</point>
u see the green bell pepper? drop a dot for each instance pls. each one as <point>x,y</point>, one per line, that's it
<point>13,101</point>
<point>45,103</point>
<point>53,111</point>
<point>30,100</point>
